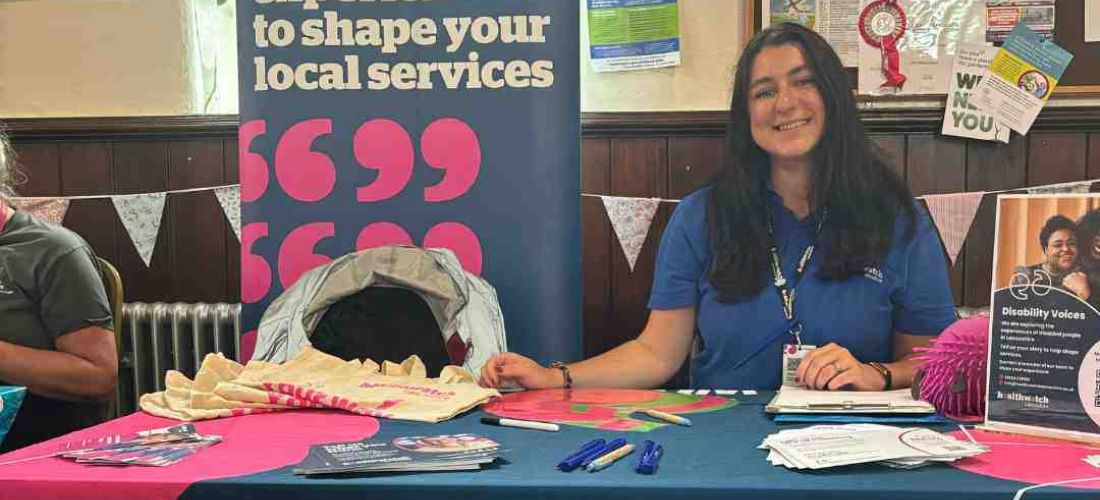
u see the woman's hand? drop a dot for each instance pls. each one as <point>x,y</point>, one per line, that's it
<point>1078,283</point>
<point>833,368</point>
<point>513,370</point>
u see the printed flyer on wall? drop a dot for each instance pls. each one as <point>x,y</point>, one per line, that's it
<point>961,118</point>
<point>1022,76</point>
<point>1044,339</point>
<point>832,19</point>
<point>627,35</point>
<point>1003,15</point>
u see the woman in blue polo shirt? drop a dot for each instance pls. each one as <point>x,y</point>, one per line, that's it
<point>805,237</point>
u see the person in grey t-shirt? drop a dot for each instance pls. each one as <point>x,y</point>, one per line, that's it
<point>56,336</point>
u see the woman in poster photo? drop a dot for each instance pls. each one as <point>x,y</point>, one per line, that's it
<point>1086,280</point>
<point>1058,240</point>
<point>805,236</point>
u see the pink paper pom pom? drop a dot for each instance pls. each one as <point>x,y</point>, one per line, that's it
<point>952,377</point>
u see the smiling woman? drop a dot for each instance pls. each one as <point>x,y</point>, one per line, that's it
<point>800,176</point>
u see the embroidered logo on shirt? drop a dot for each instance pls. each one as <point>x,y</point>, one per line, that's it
<point>873,274</point>
<point>5,281</point>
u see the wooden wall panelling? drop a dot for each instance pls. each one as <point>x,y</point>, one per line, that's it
<point>990,166</point>
<point>1056,157</point>
<point>1094,157</point>
<point>142,167</point>
<point>639,167</point>
<point>596,243</point>
<point>38,170</point>
<point>693,161</point>
<point>893,147</point>
<point>231,161</point>
<point>936,164</point>
<point>198,223</point>
<point>86,170</point>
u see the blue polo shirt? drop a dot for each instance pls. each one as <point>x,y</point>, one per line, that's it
<point>908,293</point>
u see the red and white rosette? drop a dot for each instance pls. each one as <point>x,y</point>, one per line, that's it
<point>882,24</point>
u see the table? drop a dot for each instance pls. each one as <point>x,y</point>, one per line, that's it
<point>716,458</point>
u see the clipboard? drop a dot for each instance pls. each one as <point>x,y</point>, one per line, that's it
<point>801,400</point>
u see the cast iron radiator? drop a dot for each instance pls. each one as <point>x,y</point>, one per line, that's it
<point>159,337</point>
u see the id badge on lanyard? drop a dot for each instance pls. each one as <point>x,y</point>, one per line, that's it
<point>792,353</point>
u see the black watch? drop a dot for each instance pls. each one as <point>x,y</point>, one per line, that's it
<point>564,373</point>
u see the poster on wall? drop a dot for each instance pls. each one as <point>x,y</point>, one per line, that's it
<point>1021,78</point>
<point>961,118</point>
<point>832,19</point>
<point>1003,15</point>
<point>1044,339</point>
<point>907,47</point>
<point>630,35</point>
<point>437,124</point>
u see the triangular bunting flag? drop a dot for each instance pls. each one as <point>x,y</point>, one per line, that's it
<point>230,199</point>
<point>1074,188</point>
<point>630,218</point>
<point>48,209</point>
<point>141,215</point>
<point>953,213</point>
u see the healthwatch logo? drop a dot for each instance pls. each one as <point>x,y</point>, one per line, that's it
<point>873,274</point>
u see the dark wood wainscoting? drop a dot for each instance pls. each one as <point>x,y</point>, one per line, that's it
<point>662,155</point>
<point>197,256</point>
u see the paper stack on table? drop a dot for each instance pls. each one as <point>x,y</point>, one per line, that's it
<point>445,452</point>
<point>157,447</point>
<point>824,446</point>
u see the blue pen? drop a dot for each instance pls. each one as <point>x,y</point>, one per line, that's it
<point>613,445</point>
<point>573,461</point>
<point>647,461</point>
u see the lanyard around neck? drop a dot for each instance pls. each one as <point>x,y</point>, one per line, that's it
<point>783,288</point>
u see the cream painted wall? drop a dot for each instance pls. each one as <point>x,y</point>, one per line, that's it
<point>71,58</point>
<point>65,58</point>
<point>710,41</point>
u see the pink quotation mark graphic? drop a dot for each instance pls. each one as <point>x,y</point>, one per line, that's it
<point>253,166</point>
<point>385,146</point>
<point>296,254</point>
<point>451,145</point>
<point>304,174</point>
<point>255,271</point>
<point>455,236</point>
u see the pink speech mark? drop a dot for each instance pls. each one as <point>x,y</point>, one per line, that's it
<point>385,146</point>
<point>253,166</point>
<point>1030,460</point>
<point>248,346</point>
<point>461,240</point>
<point>451,145</point>
<point>380,234</point>
<point>296,254</point>
<point>255,271</point>
<point>304,174</point>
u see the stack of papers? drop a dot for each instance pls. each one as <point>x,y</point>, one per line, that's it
<point>157,447</point>
<point>801,400</point>
<point>824,446</point>
<point>446,452</point>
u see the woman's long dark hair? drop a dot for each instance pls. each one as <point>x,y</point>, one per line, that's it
<point>862,194</point>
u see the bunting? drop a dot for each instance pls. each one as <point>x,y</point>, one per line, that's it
<point>229,197</point>
<point>952,214</point>
<point>1068,188</point>
<point>630,218</point>
<point>52,210</point>
<point>141,215</point>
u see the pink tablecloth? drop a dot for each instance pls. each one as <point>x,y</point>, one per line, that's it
<point>250,444</point>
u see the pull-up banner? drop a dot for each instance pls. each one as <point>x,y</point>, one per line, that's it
<point>449,124</point>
